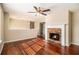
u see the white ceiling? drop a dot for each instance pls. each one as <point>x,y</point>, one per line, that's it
<point>19,8</point>
<point>22,9</point>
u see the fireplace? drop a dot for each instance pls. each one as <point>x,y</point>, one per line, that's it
<point>54,33</point>
<point>57,33</point>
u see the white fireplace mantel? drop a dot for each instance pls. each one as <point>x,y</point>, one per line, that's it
<point>63,32</point>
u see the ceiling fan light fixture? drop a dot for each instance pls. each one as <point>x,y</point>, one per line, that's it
<point>39,11</point>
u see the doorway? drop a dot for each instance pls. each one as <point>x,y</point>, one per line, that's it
<point>42,29</point>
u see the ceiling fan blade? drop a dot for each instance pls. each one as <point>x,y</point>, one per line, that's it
<point>31,12</point>
<point>36,8</point>
<point>39,9</point>
<point>46,10</point>
<point>43,14</point>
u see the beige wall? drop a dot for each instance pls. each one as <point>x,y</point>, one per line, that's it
<point>75,28</point>
<point>1,28</point>
<point>1,24</point>
<point>6,26</point>
<point>20,29</point>
<point>18,24</point>
<point>21,24</point>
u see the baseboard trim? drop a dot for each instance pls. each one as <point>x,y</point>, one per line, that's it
<point>18,40</point>
<point>75,44</point>
<point>2,45</point>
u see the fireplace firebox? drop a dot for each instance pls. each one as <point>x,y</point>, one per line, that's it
<point>54,36</point>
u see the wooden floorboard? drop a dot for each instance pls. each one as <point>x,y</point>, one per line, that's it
<point>38,46</point>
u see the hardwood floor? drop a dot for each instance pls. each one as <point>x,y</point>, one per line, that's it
<point>38,47</point>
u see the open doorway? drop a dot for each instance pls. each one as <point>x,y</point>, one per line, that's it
<point>42,29</point>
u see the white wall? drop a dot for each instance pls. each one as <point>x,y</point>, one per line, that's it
<point>57,16</point>
<point>1,28</point>
<point>75,28</point>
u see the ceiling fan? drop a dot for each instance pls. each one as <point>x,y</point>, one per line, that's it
<point>40,10</point>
